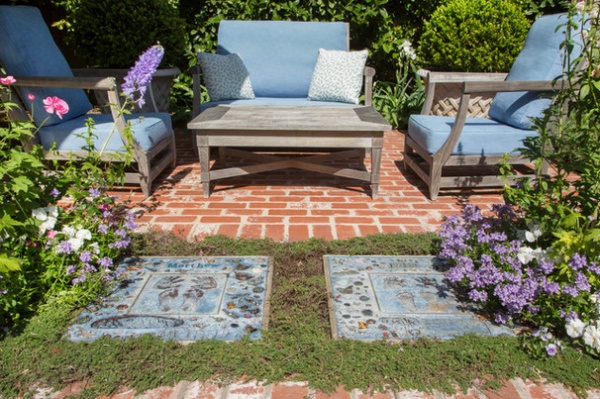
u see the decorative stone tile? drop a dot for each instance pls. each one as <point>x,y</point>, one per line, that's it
<point>184,299</point>
<point>397,297</point>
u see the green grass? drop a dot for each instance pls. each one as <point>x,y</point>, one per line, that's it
<point>296,346</point>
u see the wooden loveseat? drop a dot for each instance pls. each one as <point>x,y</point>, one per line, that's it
<point>278,59</point>
<point>286,85</point>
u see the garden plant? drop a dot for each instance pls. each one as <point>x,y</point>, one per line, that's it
<point>535,263</point>
<point>61,254</point>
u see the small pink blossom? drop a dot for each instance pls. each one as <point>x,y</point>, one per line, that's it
<point>51,234</point>
<point>7,80</point>
<point>55,105</point>
<point>31,97</point>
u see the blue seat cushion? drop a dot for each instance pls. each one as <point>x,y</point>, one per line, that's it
<point>275,101</point>
<point>280,56</point>
<point>540,59</point>
<point>480,136</point>
<point>28,49</point>
<point>148,129</point>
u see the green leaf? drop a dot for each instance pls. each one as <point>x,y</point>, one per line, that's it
<point>9,264</point>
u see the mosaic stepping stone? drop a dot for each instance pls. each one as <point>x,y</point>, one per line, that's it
<point>397,297</point>
<point>184,299</point>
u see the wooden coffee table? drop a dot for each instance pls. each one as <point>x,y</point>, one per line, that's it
<point>342,132</point>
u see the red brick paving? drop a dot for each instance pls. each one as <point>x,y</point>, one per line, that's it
<point>514,389</point>
<point>294,205</point>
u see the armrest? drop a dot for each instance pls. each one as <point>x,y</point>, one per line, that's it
<point>107,84</point>
<point>513,85</point>
<point>368,73</point>
<point>432,78</point>
<point>459,77</point>
<point>195,72</point>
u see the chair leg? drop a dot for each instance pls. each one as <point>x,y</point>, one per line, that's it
<point>173,150</point>
<point>435,179</point>
<point>144,170</point>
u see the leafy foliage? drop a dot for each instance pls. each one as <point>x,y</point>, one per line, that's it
<point>396,101</point>
<point>473,36</point>
<point>536,8</point>
<point>124,30</point>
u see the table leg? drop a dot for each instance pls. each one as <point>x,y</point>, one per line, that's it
<point>204,156</point>
<point>376,165</point>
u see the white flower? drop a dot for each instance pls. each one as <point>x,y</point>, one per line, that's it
<point>575,328</point>
<point>533,233</point>
<point>527,254</point>
<point>407,49</point>
<point>40,214</point>
<point>95,247</point>
<point>84,234</point>
<point>52,211</point>
<point>594,298</point>
<point>76,243</point>
<point>69,231</point>
<point>591,337</point>
<point>48,224</point>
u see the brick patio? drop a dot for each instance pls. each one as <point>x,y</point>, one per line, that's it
<point>293,205</point>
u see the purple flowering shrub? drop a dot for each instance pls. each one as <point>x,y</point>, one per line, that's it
<point>505,266</point>
<point>81,245</point>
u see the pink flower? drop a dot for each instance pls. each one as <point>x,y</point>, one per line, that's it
<point>31,97</point>
<point>7,80</point>
<point>55,105</point>
<point>51,234</point>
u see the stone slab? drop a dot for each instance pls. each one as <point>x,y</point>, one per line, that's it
<point>397,297</point>
<point>183,299</point>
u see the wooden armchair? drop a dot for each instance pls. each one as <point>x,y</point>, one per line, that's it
<point>462,150</point>
<point>29,53</point>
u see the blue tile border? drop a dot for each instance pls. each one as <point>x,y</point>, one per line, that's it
<point>183,299</point>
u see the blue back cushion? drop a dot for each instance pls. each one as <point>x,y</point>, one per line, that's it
<point>280,55</point>
<point>540,59</point>
<point>28,49</point>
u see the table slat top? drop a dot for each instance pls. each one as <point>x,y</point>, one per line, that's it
<point>282,118</point>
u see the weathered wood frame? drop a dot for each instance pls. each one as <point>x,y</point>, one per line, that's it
<point>337,131</point>
<point>467,170</point>
<point>150,163</point>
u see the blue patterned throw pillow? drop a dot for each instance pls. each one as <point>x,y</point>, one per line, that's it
<point>338,76</point>
<point>225,77</point>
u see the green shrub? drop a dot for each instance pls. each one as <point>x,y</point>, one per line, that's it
<point>113,33</point>
<point>473,36</point>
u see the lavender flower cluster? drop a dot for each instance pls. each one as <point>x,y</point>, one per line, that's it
<point>140,75</point>
<point>505,270</point>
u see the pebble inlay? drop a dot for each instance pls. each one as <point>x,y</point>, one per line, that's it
<point>184,299</point>
<point>396,297</point>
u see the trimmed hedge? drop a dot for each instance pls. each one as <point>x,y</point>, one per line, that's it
<point>473,36</point>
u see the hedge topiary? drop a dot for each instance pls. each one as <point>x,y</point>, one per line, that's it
<point>113,33</point>
<point>473,36</point>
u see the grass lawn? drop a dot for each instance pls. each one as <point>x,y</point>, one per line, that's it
<point>298,344</point>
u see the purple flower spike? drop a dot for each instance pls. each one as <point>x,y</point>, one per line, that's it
<point>140,75</point>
